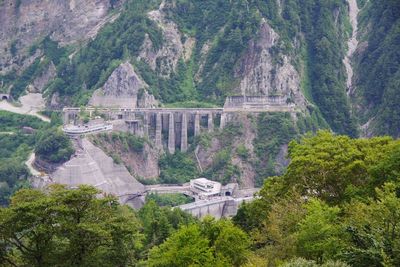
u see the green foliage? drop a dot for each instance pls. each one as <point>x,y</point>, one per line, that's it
<point>169,199</point>
<point>13,122</point>
<point>7,80</point>
<point>13,172</point>
<point>337,167</point>
<point>242,151</point>
<point>326,53</point>
<point>13,48</point>
<point>52,51</point>
<point>159,222</point>
<point>177,168</point>
<point>379,66</point>
<point>184,248</point>
<point>14,151</point>
<point>68,228</point>
<point>273,131</point>
<point>300,262</point>
<point>318,235</point>
<point>222,169</point>
<point>54,146</point>
<point>209,244</point>
<point>340,201</point>
<point>190,104</point>
<point>129,141</point>
<point>92,63</point>
<point>27,76</point>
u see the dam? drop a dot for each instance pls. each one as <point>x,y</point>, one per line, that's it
<point>171,128</point>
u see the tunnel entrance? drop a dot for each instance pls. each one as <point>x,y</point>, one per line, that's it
<point>4,97</point>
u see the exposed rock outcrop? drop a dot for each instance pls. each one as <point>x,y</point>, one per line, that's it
<point>263,70</point>
<point>352,44</point>
<point>142,164</point>
<point>67,21</point>
<point>165,59</point>
<point>122,90</point>
<point>206,155</point>
<point>41,81</point>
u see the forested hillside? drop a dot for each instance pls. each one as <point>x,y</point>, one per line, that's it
<point>378,68</point>
<point>20,136</point>
<point>336,205</point>
<point>195,54</point>
<point>327,198</point>
<point>195,51</point>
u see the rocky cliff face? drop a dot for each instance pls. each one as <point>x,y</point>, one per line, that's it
<point>264,72</point>
<point>43,79</point>
<point>66,21</point>
<point>142,165</point>
<point>165,59</point>
<point>122,89</point>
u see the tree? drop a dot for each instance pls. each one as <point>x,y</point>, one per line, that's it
<point>277,235</point>
<point>374,229</point>
<point>54,146</point>
<point>300,262</point>
<point>155,223</point>
<point>319,234</point>
<point>64,227</point>
<point>186,247</point>
<point>334,168</point>
<point>208,243</point>
<point>230,244</point>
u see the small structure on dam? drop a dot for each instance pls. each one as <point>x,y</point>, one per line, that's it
<point>211,198</point>
<point>205,188</point>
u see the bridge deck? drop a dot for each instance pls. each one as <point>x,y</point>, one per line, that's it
<point>191,110</point>
<point>147,109</point>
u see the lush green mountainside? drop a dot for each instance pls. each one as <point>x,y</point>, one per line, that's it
<point>191,50</point>
<point>378,68</point>
<point>206,62</point>
<point>196,53</point>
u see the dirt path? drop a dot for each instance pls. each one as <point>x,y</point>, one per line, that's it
<point>352,43</point>
<point>31,104</point>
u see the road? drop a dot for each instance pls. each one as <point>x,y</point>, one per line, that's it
<point>31,104</point>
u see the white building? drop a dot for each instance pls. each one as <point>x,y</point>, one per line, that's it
<point>206,188</point>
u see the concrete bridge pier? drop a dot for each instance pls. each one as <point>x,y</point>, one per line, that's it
<point>196,124</point>
<point>223,120</point>
<point>210,123</point>
<point>184,137</point>
<point>66,118</point>
<point>146,120</point>
<point>171,134</point>
<point>158,131</point>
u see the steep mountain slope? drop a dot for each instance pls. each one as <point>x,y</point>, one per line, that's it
<point>27,22</point>
<point>215,53</point>
<point>196,53</point>
<point>377,80</point>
